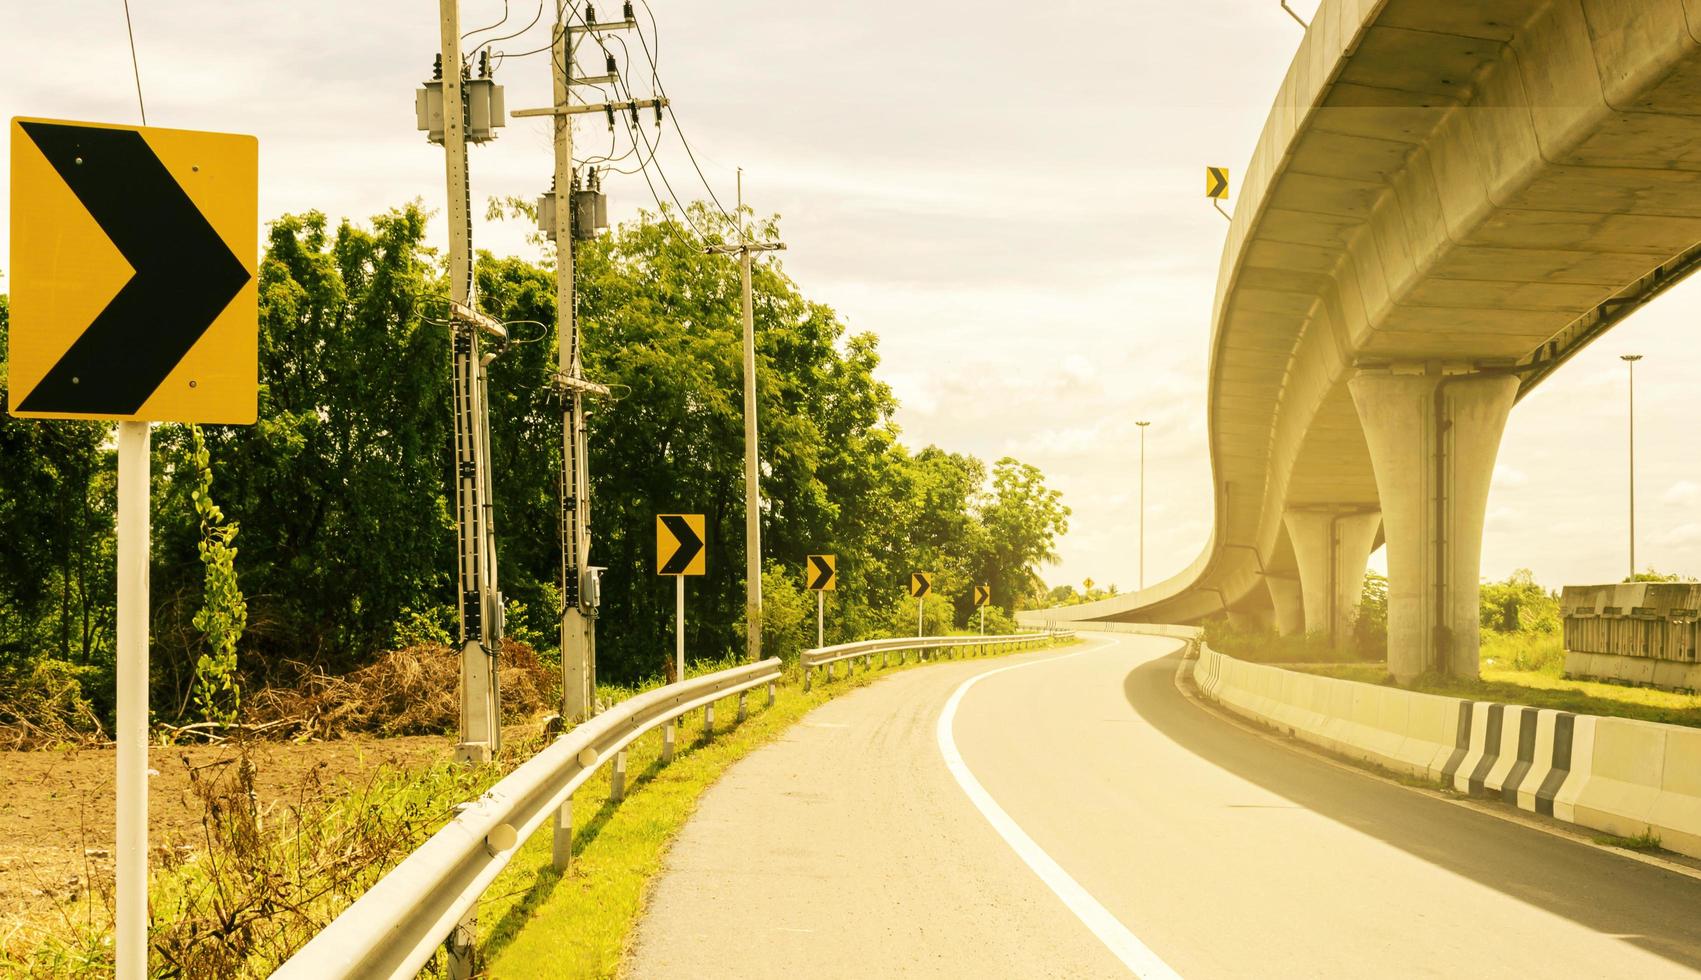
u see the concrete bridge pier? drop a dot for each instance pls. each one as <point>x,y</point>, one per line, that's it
<point>1433,438</point>
<point>1331,547</point>
<point>1285,594</point>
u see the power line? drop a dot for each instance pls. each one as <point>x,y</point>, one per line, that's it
<point>508,37</point>
<point>491,27</point>
<point>135,66</point>
<point>635,133</point>
<point>655,79</point>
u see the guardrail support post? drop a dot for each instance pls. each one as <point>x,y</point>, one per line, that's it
<point>667,743</point>
<point>770,694</point>
<point>461,948</point>
<point>562,845</point>
<point>742,709</point>
<point>806,673</point>
<point>708,720</point>
<point>617,778</point>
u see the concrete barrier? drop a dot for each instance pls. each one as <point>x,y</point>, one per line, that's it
<point>1617,775</point>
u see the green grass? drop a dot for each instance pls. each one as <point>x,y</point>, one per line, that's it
<point>1529,670</point>
<point>535,922</point>
<point>1645,841</point>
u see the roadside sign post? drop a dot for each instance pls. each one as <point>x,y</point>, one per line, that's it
<point>165,223</point>
<point>822,578</point>
<point>131,852</point>
<point>921,583</point>
<point>679,552</point>
<point>983,595</point>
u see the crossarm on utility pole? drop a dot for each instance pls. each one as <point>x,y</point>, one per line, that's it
<point>581,109</point>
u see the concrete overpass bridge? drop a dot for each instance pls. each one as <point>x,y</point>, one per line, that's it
<point>1449,199</point>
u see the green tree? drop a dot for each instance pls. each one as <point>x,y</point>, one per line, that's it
<point>340,487</point>
<point>1519,605</point>
<point>57,503</point>
<point>1022,520</point>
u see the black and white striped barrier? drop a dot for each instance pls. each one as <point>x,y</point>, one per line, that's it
<point>1617,775</point>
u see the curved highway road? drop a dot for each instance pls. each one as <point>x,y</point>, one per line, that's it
<point>1076,816</point>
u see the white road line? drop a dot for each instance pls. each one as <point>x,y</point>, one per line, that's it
<point>1108,928</point>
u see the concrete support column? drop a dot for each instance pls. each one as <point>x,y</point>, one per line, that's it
<point>1290,609</point>
<point>1433,440</point>
<point>1331,548</point>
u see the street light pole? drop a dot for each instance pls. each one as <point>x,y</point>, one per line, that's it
<point>1630,362</point>
<point>1142,426</point>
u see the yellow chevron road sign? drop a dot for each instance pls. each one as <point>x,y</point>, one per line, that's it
<point>679,545</point>
<point>823,573</point>
<point>133,273</point>
<point>921,583</point>
<point>1216,183</point>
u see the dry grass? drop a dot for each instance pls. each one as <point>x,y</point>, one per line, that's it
<point>404,692</point>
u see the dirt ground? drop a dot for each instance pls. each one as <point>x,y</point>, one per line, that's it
<point>56,806</point>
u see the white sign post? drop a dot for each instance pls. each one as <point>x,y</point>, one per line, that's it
<point>131,852</point>
<point>679,629</point>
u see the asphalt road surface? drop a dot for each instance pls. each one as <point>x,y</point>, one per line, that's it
<point>1070,814</point>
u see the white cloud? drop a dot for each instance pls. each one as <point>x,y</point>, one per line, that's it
<point>1509,477</point>
<point>1683,493</point>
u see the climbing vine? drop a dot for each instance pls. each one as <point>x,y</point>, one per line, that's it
<point>224,612</point>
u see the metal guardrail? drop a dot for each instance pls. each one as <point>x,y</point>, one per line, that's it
<point>866,649</point>
<point>427,900</point>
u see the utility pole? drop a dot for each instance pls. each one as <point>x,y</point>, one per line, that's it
<point>455,108</point>
<point>752,488</point>
<point>1142,426</point>
<point>1630,362</point>
<point>567,213</point>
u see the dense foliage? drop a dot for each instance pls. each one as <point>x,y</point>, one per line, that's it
<point>340,490</point>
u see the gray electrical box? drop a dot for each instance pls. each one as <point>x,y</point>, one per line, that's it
<point>590,596</point>
<point>483,111</point>
<point>496,614</point>
<point>590,213</point>
<point>546,215</point>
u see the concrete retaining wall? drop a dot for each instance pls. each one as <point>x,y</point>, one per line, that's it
<point>1616,775</point>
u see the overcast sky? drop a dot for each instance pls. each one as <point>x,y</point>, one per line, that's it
<point>1009,194</point>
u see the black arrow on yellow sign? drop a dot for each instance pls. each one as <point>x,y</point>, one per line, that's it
<point>184,274</point>
<point>983,594</point>
<point>1216,182</point>
<point>921,583</point>
<point>823,573</point>
<point>687,544</point>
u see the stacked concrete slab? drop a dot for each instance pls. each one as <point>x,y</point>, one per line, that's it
<point>1642,633</point>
